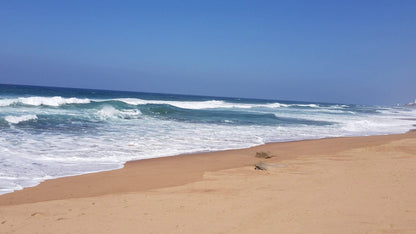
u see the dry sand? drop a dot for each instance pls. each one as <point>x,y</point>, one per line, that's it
<point>338,185</point>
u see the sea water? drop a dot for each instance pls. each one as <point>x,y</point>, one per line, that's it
<point>55,132</point>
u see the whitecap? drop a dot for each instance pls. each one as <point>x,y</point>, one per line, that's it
<point>197,105</point>
<point>18,119</point>
<point>7,102</point>
<point>305,105</point>
<point>46,101</point>
<point>52,101</point>
<point>109,112</point>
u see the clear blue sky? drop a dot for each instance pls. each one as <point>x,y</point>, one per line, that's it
<point>360,52</point>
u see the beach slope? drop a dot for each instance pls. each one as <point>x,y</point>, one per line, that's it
<point>337,185</point>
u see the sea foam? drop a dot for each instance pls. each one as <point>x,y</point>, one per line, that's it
<point>18,119</point>
<point>193,105</point>
<point>109,112</point>
<point>46,101</point>
<point>197,105</point>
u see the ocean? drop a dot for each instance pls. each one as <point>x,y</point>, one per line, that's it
<point>56,132</point>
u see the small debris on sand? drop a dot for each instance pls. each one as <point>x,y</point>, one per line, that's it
<point>265,155</point>
<point>265,166</point>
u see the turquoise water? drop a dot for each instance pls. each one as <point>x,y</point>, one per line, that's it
<point>55,132</point>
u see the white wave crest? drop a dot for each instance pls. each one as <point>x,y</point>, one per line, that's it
<point>274,105</point>
<point>7,102</point>
<point>342,106</point>
<point>46,101</point>
<point>196,105</point>
<point>17,119</point>
<point>109,112</point>
<point>306,105</point>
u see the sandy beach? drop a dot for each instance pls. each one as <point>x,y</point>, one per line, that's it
<point>336,185</point>
<point>207,117</point>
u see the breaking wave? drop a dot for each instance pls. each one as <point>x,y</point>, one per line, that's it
<point>45,101</point>
<point>57,101</point>
<point>109,112</point>
<point>197,105</point>
<point>18,119</point>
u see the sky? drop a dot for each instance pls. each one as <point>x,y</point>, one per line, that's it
<point>361,52</point>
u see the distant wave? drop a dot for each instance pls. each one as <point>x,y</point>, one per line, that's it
<point>211,104</point>
<point>18,119</point>
<point>196,105</point>
<point>305,105</point>
<point>109,112</point>
<point>46,101</point>
<point>193,105</point>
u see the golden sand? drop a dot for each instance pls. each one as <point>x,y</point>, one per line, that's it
<point>337,185</point>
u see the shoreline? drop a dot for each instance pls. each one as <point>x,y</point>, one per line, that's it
<point>333,185</point>
<point>57,188</point>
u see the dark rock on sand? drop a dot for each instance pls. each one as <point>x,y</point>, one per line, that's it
<point>265,155</point>
<point>266,166</point>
